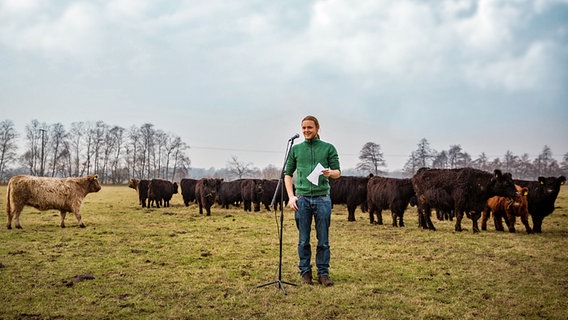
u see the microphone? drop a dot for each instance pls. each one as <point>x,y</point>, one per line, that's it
<point>297,135</point>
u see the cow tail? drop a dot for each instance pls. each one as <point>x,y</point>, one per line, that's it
<point>8,209</point>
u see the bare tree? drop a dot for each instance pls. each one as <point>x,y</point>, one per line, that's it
<point>421,157</point>
<point>147,145</point>
<point>33,158</point>
<point>8,146</point>
<point>113,152</point>
<point>545,164</point>
<point>160,154</point>
<point>175,156</point>
<point>371,158</point>
<point>98,133</point>
<point>132,151</point>
<point>564,165</point>
<point>481,163</point>
<point>271,172</point>
<point>457,158</point>
<point>424,153</point>
<point>76,137</point>
<point>57,143</point>
<point>411,165</point>
<point>239,169</point>
<point>441,160</point>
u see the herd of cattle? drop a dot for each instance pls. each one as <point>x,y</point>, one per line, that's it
<point>452,193</point>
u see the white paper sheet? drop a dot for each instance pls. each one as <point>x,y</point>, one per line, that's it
<point>313,177</point>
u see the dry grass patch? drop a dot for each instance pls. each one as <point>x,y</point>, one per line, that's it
<point>172,263</point>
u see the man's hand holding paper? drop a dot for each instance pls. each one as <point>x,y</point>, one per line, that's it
<point>313,177</point>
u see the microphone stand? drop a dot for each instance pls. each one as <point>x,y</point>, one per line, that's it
<point>280,188</point>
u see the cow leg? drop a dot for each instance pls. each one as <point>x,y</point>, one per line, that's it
<point>16,215</point>
<point>401,217</point>
<point>484,217</point>
<point>439,214</point>
<point>62,214</point>
<point>426,220</point>
<point>459,217</point>
<point>474,217</point>
<point>498,220</point>
<point>10,216</point>
<point>394,219</point>
<point>208,209</point>
<point>380,217</point>
<point>371,214</point>
<point>143,202</point>
<point>525,220</point>
<point>351,213</point>
<point>537,224</point>
<point>200,208</point>
<point>511,220</point>
<point>79,219</point>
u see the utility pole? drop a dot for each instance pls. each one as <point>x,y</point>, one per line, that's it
<point>41,170</point>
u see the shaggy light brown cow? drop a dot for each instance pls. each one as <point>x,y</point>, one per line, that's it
<point>508,209</point>
<point>63,194</point>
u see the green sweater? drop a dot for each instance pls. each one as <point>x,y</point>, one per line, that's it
<point>304,157</point>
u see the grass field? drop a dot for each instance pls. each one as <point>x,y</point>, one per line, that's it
<point>172,263</point>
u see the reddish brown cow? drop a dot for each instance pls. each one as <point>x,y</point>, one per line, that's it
<point>63,194</point>
<point>509,209</point>
<point>161,191</point>
<point>206,191</point>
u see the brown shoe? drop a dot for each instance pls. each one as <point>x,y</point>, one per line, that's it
<point>325,281</point>
<point>307,278</point>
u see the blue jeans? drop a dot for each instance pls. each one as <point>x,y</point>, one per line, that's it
<point>318,208</point>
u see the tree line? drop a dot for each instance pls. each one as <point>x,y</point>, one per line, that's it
<point>521,167</point>
<point>112,152</point>
<point>116,154</point>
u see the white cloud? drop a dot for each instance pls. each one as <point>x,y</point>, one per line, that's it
<point>528,72</point>
<point>74,33</point>
<point>382,64</point>
<point>11,7</point>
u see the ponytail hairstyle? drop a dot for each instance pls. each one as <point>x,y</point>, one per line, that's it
<point>316,122</point>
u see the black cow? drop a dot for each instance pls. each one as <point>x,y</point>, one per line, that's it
<point>251,192</point>
<point>161,190</point>
<point>269,188</point>
<point>541,197</point>
<point>466,190</point>
<point>188,190</point>
<point>351,191</point>
<point>141,187</point>
<point>230,193</point>
<point>206,191</point>
<point>389,193</point>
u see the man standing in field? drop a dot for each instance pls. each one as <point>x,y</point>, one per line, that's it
<point>314,162</point>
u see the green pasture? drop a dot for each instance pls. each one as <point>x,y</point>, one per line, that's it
<point>173,263</point>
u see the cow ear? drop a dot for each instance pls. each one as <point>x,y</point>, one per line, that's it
<point>541,180</point>
<point>562,180</point>
<point>525,191</point>
<point>95,177</point>
<point>498,174</point>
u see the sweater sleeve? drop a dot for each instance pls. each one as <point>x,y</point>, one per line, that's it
<point>333,159</point>
<point>290,163</point>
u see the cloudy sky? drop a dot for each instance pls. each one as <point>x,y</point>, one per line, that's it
<point>236,77</point>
